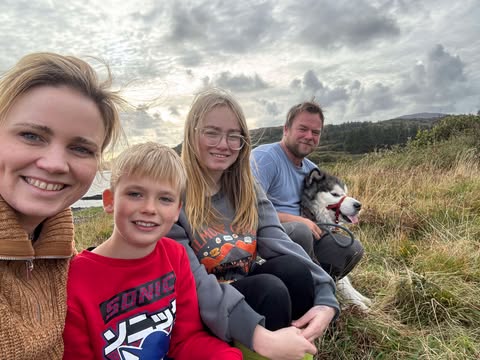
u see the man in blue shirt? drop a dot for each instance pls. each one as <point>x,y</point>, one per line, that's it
<point>280,168</point>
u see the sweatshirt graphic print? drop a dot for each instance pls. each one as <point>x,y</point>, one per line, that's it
<point>141,334</point>
<point>224,252</point>
<point>136,309</point>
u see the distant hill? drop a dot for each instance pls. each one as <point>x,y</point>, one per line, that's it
<point>354,138</point>
<point>424,115</point>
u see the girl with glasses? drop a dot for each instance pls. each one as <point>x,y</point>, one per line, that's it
<point>276,307</point>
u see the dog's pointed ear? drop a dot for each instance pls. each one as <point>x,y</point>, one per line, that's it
<point>316,174</point>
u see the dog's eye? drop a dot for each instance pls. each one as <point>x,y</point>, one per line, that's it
<point>335,194</point>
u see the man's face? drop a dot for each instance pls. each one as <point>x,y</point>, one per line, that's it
<point>304,134</point>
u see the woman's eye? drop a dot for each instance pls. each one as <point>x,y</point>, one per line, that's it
<point>83,151</point>
<point>30,136</point>
<point>212,133</point>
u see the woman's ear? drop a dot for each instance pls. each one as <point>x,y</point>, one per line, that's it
<point>107,198</point>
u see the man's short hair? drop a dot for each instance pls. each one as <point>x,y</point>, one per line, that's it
<point>310,106</point>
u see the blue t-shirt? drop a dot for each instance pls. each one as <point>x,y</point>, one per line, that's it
<point>281,180</point>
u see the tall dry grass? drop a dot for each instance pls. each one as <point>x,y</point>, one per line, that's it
<point>420,226</point>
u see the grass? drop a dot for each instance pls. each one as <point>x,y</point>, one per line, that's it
<point>421,229</point>
<point>420,226</point>
<point>92,227</point>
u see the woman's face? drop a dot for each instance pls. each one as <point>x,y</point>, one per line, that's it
<point>220,157</point>
<point>50,141</point>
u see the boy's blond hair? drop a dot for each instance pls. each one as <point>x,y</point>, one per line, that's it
<point>151,160</point>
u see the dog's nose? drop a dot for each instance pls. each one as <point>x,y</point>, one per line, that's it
<point>357,206</point>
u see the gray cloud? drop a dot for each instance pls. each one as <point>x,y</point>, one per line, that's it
<point>329,24</point>
<point>311,86</point>
<point>174,111</point>
<point>191,58</point>
<point>370,100</point>
<point>444,69</point>
<point>239,82</point>
<point>271,107</point>
<point>295,84</point>
<point>145,127</point>
<point>311,82</point>
<point>211,25</point>
<point>439,81</point>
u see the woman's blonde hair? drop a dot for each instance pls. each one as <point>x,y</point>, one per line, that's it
<point>236,182</point>
<point>49,69</point>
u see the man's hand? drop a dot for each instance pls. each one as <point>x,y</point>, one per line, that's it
<point>284,344</point>
<point>315,321</point>
<point>316,231</point>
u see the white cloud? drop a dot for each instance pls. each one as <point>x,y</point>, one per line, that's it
<point>362,60</point>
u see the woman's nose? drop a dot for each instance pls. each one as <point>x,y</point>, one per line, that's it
<point>53,160</point>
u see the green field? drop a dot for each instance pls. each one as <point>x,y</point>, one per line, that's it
<point>420,226</point>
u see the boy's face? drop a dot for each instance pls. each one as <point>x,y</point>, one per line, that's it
<point>144,211</point>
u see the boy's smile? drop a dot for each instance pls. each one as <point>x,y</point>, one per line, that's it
<point>144,210</point>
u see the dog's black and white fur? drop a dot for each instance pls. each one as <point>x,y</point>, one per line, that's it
<point>325,200</point>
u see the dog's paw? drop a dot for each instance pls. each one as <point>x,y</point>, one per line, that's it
<point>350,296</point>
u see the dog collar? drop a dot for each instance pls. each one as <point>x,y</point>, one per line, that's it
<point>336,207</point>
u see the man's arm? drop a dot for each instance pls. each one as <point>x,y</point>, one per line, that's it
<point>285,217</point>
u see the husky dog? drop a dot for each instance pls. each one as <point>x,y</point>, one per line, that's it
<point>325,201</point>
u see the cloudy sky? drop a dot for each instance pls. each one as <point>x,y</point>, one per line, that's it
<point>362,60</point>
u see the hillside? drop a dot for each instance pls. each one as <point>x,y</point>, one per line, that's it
<point>353,138</point>
<point>424,115</point>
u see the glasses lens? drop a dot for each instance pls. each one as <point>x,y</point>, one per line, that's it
<point>211,136</point>
<point>235,142</point>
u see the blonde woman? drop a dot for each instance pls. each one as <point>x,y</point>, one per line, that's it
<point>56,120</point>
<point>277,308</point>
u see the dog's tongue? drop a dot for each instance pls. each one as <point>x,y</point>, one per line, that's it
<point>353,219</point>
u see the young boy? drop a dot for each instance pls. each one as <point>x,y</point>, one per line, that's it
<point>134,297</point>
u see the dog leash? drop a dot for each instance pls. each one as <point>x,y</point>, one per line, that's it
<point>326,227</point>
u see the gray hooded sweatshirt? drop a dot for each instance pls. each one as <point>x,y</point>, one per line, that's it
<point>222,307</point>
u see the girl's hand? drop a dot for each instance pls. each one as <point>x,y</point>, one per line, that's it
<point>284,344</point>
<point>315,321</point>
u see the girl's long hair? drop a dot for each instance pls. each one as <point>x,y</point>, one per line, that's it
<point>237,182</point>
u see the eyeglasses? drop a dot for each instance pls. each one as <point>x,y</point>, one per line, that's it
<point>214,137</point>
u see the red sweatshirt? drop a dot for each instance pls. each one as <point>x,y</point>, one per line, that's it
<point>137,309</point>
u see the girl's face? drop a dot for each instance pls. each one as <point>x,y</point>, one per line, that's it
<point>217,158</point>
<point>50,142</point>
